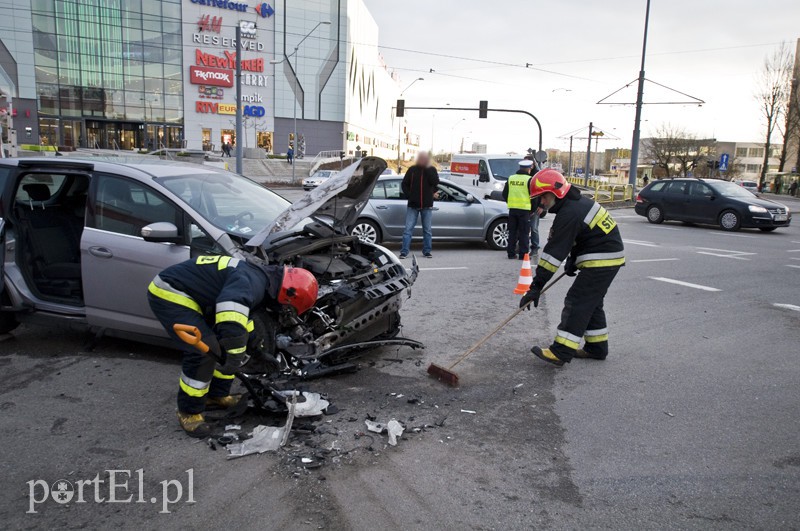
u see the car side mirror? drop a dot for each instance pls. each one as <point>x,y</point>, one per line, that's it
<point>484,178</point>
<point>161,232</point>
<point>470,198</point>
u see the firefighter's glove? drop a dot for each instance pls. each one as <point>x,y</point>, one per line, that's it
<point>235,355</point>
<point>570,268</point>
<point>531,297</point>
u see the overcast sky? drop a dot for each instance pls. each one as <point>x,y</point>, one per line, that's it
<point>710,49</point>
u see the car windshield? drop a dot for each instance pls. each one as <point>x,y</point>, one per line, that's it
<point>229,202</point>
<point>728,189</point>
<point>502,169</point>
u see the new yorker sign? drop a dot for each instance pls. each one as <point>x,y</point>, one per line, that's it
<point>227,61</point>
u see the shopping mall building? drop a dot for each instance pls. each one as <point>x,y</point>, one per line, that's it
<point>144,74</point>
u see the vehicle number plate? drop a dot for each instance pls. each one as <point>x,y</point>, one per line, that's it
<point>781,217</point>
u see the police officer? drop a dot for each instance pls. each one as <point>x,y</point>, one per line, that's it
<point>516,193</point>
<point>587,237</point>
<point>216,294</point>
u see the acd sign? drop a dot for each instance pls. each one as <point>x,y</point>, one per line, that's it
<point>254,110</point>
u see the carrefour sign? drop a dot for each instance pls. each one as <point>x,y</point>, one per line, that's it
<point>222,4</point>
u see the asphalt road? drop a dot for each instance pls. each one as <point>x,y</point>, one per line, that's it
<point>692,422</point>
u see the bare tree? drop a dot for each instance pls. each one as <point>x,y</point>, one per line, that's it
<point>691,153</point>
<point>661,147</point>
<point>790,131</point>
<point>772,93</point>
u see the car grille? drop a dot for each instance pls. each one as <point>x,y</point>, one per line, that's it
<point>775,211</point>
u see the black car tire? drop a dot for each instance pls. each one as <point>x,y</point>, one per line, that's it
<point>367,230</point>
<point>730,220</point>
<point>497,235</point>
<point>655,214</point>
<point>767,229</point>
<point>8,322</point>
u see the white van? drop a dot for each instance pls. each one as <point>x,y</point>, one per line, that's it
<point>487,172</point>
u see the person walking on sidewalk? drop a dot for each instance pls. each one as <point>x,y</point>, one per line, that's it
<point>517,195</point>
<point>419,185</point>
<point>290,155</point>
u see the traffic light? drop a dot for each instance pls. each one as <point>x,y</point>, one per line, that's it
<point>401,108</point>
<point>483,109</point>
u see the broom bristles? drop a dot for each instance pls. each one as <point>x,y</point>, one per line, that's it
<point>445,375</point>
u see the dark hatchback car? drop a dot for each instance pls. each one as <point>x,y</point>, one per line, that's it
<point>710,201</point>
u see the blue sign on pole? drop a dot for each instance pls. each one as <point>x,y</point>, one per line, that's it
<point>723,162</point>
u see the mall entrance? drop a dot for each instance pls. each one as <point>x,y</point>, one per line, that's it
<point>105,134</point>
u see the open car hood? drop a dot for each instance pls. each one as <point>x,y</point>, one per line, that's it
<point>340,198</point>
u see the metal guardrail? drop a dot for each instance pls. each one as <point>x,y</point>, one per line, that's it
<point>323,157</point>
<point>606,192</point>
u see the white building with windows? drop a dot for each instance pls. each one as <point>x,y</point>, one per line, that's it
<point>748,157</point>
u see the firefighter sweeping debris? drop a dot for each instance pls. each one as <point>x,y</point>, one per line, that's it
<point>587,237</point>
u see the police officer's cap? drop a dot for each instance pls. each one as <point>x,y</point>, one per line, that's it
<point>525,163</point>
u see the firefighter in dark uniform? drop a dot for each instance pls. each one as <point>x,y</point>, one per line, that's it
<point>587,237</point>
<point>216,294</point>
<point>516,194</point>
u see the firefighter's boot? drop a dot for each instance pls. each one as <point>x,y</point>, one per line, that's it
<point>547,355</point>
<point>223,402</point>
<point>194,424</point>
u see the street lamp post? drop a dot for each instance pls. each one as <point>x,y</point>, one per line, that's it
<point>294,53</point>
<point>400,124</point>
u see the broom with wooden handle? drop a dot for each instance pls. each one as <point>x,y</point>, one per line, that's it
<point>447,375</point>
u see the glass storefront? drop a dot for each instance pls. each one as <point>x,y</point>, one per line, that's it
<point>109,73</point>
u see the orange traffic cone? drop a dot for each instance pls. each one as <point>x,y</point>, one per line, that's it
<point>525,276</point>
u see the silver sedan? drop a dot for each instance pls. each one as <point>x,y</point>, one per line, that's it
<point>458,216</point>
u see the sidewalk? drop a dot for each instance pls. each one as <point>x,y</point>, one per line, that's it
<point>786,199</point>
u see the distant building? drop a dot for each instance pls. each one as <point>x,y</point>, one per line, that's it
<point>746,158</point>
<point>478,148</point>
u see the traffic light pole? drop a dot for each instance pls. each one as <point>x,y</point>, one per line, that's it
<point>514,111</point>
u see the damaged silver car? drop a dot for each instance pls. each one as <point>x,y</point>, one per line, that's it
<point>82,238</point>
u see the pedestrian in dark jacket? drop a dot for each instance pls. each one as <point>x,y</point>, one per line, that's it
<point>419,185</point>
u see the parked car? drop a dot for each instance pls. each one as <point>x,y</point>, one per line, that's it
<point>84,238</point>
<point>710,201</point>
<point>319,177</point>
<point>458,216</point>
<point>750,186</point>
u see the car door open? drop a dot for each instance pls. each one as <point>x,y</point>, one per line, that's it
<point>116,262</point>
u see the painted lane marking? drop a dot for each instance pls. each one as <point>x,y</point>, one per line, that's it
<point>655,260</point>
<point>640,242</point>
<point>661,228</point>
<point>736,255</point>
<point>792,265</point>
<point>793,258</point>
<point>788,307</point>
<point>686,284</point>
<point>442,268</point>
<point>731,234</point>
<point>793,251</point>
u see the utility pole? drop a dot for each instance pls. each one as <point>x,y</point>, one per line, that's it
<point>239,109</point>
<point>639,97</point>
<point>569,166</point>
<point>588,156</point>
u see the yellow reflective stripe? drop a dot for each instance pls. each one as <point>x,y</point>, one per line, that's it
<point>567,343</point>
<point>602,263</point>
<point>236,351</point>
<point>223,262</point>
<point>547,265</point>
<point>596,339</point>
<point>251,326</point>
<point>600,213</point>
<point>232,317</point>
<point>173,297</point>
<point>221,376</point>
<point>204,260</point>
<point>192,387</point>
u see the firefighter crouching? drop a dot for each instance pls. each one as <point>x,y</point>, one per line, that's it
<point>587,237</point>
<point>216,294</point>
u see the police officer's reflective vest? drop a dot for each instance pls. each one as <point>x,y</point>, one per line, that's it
<point>519,196</point>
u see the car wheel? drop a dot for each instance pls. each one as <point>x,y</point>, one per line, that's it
<point>655,214</point>
<point>767,229</point>
<point>8,322</point>
<point>730,220</point>
<point>367,231</point>
<point>497,236</point>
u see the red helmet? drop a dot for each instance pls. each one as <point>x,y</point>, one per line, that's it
<point>549,180</point>
<point>299,289</point>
